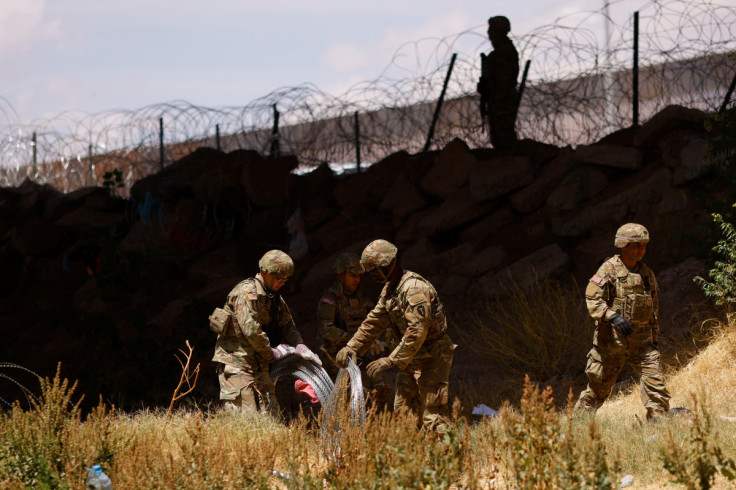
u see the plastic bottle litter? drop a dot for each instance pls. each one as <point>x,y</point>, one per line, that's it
<point>626,481</point>
<point>97,479</point>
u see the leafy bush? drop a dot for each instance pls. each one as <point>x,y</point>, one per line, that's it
<point>722,286</point>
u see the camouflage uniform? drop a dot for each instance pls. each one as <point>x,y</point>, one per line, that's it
<point>634,295</point>
<point>424,356</point>
<point>497,86</point>
<point>338,317</point>
<point>260,320</point>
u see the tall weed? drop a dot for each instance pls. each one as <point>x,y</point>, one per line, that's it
<point>543,331</point>
<point>696,462</point>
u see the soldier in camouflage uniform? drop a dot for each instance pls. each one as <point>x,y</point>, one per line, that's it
<point>411,307</point>
<point>497,85</point>
<point>340,311</point>
<point>622,297</point>
<point>254,328</point>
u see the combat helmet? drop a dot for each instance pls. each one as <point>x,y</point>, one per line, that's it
<point>631,233</point>
<point>378,253</point>
<point>276,262</point>
<point>348,262</point>
<point>499,24</point>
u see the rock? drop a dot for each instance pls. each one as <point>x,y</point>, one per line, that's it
<point>636,200</point>
<point>487,226</point>
<point>494,178</point>
<point>609,156</point>
<point>479,263</point>
<point>409,232</point>
<point>266,183</point>
<point>84,217</point>
<point>420,257</point>
<point>695,162</point>
<point>450,285</point>
<point>370,187</point>
<point>38,237</point>
<point>538,153</point>
<point>457,210</point>
<point>535,194</point>
<point>547,262</point>
<point>403,199</point>
<point>579,185</point>
<point>202,172</point>
<point>450,173</point>
<point>452,256</point>
<point>671,118</point>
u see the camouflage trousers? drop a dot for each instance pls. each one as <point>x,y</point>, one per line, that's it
<point>247,392</point>
<point>422,388</point>
<point>604,367</point>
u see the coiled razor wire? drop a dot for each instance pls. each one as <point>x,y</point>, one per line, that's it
<point>577,91</point>
<point>25,390</point>
<point>305,370</point>
<point>329,393</point>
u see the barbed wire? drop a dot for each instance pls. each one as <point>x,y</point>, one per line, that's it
<point>576,92</point>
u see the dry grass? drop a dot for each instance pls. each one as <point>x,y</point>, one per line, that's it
<point>531,444</point>
<point>542,331</point>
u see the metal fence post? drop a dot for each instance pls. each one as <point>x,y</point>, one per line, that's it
<point>217,137</point>
<point>522,85</point>
<point>275,145</point>
<point>33,145</point>
<point>161,142</point>
<point>91,170</point>
<point>635,71</point>
<point>727,98</point>
<point>357,142</point>
<point>436,115</point>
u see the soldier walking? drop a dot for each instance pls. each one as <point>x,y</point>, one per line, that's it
<point>622,297</point>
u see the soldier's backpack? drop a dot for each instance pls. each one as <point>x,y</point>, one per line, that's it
<point>220,320</point>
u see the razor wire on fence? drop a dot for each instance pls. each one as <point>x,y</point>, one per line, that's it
<point>577,91</point>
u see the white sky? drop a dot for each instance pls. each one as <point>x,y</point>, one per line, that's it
<point>98,55</point>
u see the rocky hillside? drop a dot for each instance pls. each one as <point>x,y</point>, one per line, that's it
<point>112,287</point>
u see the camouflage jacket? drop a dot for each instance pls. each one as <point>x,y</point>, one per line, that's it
<point>260,320</point>
<point>339,316</point>
<point>498,75</point>
<point>631,293</point>
<point>413,309</point>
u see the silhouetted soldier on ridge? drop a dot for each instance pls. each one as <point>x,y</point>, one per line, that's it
<point>497,85</point>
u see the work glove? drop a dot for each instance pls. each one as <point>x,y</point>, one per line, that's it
<point>377,347</point>
<point>378,365</point>
<point>622,325</point>
<point>282,350</point>
<point>341,359</point>
<point>303,351</point>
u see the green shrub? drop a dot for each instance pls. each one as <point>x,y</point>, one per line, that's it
<point>722,286</point>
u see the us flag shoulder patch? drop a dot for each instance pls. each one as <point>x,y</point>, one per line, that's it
<point>327,300</point>
<point>252,296</point>
<point>596,279</point>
